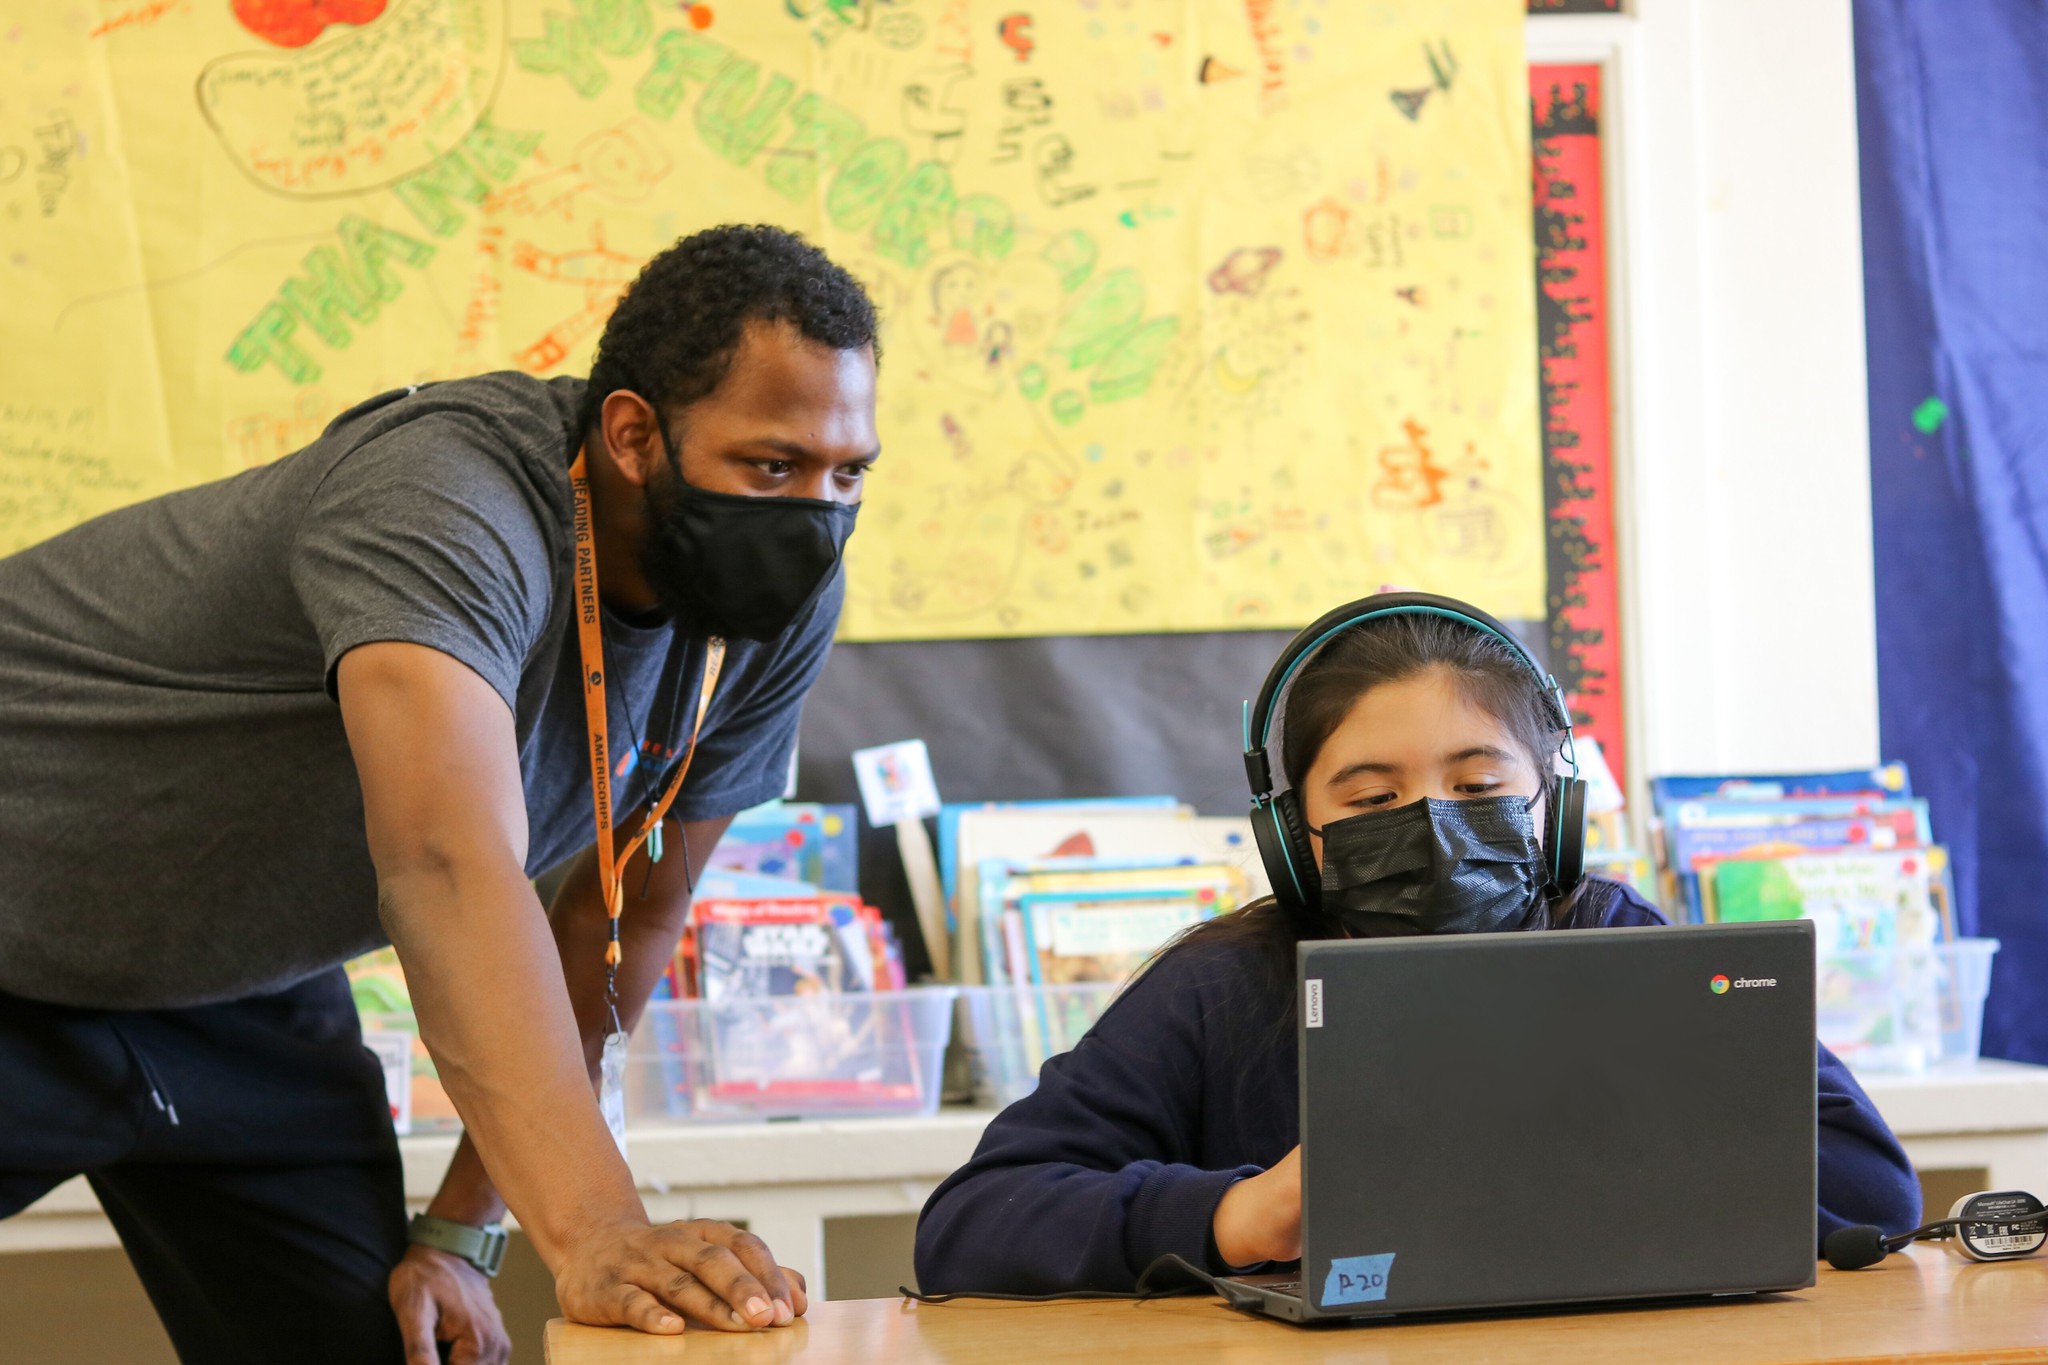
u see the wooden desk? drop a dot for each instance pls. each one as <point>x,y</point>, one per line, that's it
<point>785,1180</point>
<point>1922,1305</point>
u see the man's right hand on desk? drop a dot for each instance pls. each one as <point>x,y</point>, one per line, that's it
<point>711,1273</point>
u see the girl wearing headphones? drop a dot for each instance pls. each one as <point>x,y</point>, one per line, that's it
<point>1420,738</point>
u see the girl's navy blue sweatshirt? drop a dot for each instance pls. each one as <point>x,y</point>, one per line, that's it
<point>1187,1084</point>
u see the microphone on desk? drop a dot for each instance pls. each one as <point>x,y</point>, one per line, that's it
<point>1988,1226</point>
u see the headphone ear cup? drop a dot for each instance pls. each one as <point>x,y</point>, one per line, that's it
<point>1282,836</point>
<point>1568,832</point>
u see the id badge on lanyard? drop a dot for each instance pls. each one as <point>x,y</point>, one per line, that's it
<point>611,866</point>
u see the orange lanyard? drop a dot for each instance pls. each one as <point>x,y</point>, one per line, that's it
<point>611,871</point>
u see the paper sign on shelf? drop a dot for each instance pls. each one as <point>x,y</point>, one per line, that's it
<point>896,782</point>
<point>897,787</point>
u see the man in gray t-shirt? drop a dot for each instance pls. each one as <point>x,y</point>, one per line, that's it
<point>252,729</point>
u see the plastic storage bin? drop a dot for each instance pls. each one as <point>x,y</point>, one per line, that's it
<point>1007,1032</point>
<point>1905,1009</point>
<point>794,1056</point>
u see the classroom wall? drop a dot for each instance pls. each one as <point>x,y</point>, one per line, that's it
<point>1747,470</point>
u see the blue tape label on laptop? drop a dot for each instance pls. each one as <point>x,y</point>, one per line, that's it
<point>1357,1279</point>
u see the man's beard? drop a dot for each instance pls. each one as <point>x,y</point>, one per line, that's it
<point>665,560</point>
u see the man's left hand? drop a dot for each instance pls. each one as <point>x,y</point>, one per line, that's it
<point>439,1297</point>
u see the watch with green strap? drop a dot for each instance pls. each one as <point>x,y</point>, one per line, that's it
<point>482,1247</point>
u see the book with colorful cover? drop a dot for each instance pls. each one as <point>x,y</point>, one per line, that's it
<point>1086,939</point>
<point>1005,882</point>
<point>952,811</point>
<point>771,947</point>
<point>1148,835</point>
<point>1877,919</point>
<point>1725,814</point>
<point>1903,827</point>
<point>1762,819</point>
<point>782,1018</point>
<point>801,840</point>
<point>1886,780</point>
<point>1096,935</point>
<point>1857,901</point>
<point>1942,882</point>
<point>726,885</point>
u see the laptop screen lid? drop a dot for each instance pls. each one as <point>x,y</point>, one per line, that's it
<point>1491,1120</point>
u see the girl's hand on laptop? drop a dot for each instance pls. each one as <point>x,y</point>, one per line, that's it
<point>1259,1218</point>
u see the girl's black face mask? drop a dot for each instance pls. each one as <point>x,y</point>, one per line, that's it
<point>1435,867</point>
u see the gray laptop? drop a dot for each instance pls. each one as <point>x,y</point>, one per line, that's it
<point>1495,1121</point>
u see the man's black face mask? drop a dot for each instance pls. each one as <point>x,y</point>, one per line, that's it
<point>735,566</point>
<point>1435,867</point>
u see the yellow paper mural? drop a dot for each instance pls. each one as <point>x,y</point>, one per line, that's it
<point>1196,315</point>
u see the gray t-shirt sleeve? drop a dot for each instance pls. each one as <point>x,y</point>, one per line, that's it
<point>416,536</point>
<point>743,758</point>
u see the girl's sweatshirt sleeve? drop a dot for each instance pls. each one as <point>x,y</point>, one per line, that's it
<point>1864,1174</point>
<point>1084,1182</point>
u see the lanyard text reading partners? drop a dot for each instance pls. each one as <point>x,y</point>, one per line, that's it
<point>611,869</point>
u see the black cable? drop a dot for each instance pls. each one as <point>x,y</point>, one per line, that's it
<point>1138,1295</point>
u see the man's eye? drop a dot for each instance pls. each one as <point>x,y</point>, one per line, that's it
<point>775,468</point>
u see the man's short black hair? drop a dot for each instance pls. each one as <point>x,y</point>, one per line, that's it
<point>672,337</point>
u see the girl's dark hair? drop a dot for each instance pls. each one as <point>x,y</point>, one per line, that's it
<point>1485,670</point>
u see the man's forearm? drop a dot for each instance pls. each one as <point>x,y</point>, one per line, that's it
<point>647,935</point>
<point>487,985</point>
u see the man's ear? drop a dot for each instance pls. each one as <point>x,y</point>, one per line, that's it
<point>631,436</point>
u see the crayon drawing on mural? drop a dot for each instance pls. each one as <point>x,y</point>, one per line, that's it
<point>1174,338</point>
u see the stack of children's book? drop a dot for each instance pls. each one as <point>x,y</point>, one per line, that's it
<point>782,955</point>
<point>1053,905</point>
<point>779,913</point>
<point>1051,893</point>
<point>800,840</point>
<point>1852,851</point>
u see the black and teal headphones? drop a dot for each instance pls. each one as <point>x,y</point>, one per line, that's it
<point>1277,821</point>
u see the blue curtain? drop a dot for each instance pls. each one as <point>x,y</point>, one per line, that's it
<point>1952,108</point>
